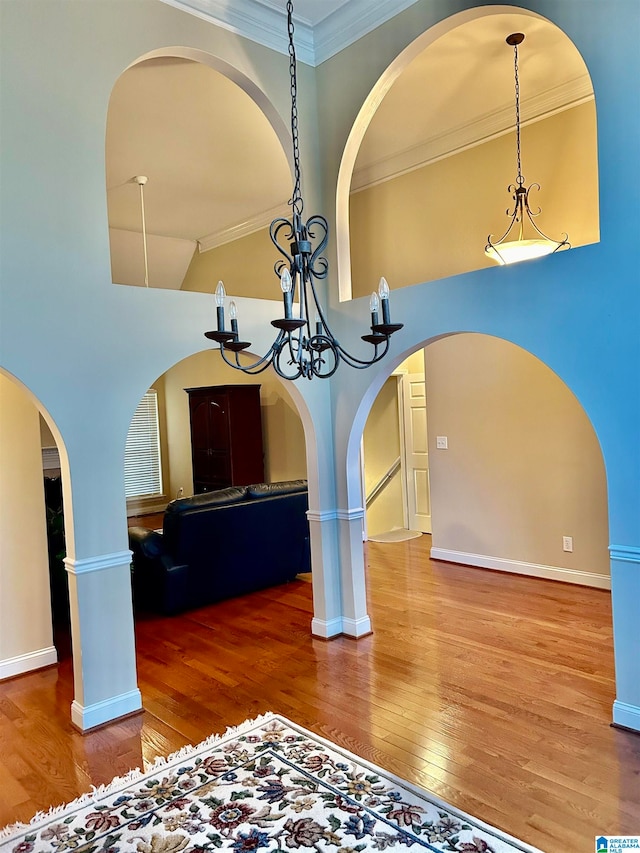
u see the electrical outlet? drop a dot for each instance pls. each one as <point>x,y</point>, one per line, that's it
<point>180,492</point>
<point>567,543</point>
<point>442,442</point>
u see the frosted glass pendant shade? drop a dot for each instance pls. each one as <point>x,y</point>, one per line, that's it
<point>520,250</point>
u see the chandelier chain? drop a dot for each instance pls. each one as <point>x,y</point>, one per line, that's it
<point>296,198</point>
<point>520,179</point>
<point>304,346</point>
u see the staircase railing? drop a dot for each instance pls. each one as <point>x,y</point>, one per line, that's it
<point>383,482</point>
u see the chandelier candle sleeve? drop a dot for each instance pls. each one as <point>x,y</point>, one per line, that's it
<point>383,290</point>
<point>233,315</point>
<point>287,289</point>
<point>220,297</point>
<point>374,307</point>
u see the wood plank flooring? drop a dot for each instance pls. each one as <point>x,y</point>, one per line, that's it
<point>493,691</point>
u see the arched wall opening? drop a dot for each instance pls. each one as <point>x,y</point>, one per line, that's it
<point>522,468</point>
<point>442,183</point>
<point>284,432</point>
<point>34,605</point>
<point>213,149</point>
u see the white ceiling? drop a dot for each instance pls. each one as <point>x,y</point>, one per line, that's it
<point>216,169</point>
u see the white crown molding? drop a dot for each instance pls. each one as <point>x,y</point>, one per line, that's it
<point>253,20</point>
<point>265,24</point>
<point>242,229</point>
<point>483,129</point>
<point>350,22</point>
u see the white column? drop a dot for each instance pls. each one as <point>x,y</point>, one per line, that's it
<point>103,640</point>
<point>327,606</point>
<point>355,619</point>
<point>625,600</point>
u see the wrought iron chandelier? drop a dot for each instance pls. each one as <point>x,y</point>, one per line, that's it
<point>304,345</point>
<point>508,250</point>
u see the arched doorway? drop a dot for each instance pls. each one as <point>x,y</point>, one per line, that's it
<point>442,183</point>
<point>32,551</point>
<point>517,478</point>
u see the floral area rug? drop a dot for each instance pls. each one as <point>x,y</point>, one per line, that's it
<point>267,784</point>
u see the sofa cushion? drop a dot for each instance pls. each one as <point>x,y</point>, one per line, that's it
<point>231,495</point>
<point>287,487</point>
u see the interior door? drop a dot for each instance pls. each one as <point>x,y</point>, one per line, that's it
<point>416,451</point>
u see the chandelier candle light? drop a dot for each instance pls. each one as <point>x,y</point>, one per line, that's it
<point>510,251</point>
<point>302,347</point>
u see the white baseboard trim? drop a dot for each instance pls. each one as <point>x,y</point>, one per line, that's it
<point>85,717</point>
<point>26,663</point>
<point>356,627</point>
<point>517,567</point>
<point>326,628</point>
<point>626,715</point>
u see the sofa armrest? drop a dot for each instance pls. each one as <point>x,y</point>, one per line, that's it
<point>159,583</point>
<point>147,543</point>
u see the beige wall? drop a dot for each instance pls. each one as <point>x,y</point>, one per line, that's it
<point>24,567</point>
<point>381,447</point>
<point>283,434</point>
<point>244,265</point>
<point>433,222</point>
<point>524,466</point>
<point>46,436</point>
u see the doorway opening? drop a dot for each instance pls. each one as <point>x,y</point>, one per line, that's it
<point>394,457</point>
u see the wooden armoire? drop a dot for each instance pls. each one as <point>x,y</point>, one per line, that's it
<point>226,436</point>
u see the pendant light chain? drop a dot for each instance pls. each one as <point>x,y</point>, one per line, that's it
<point>508,250</point>
<point>519,179</point>
<point>296,198</point>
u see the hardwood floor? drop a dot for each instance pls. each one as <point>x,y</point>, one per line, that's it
<point>493,691</point>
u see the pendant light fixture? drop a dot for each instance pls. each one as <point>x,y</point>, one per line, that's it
<point>304,344</point>
<point>141,181</point>
<point>527,240</point>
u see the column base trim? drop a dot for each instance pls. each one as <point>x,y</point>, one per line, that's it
<point>326,628</point>
<point>28,662</point>
<point>356,627</point>
<point>626,715</point>
<point>518,567</point>
<point>85,717</point>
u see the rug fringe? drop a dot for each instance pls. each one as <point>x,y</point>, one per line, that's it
<point>97,792</point>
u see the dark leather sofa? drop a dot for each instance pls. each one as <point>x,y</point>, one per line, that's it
<point>221,544</point>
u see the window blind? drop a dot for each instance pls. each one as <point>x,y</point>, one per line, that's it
<point>142,467</point>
